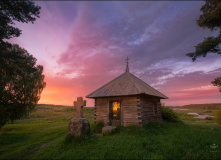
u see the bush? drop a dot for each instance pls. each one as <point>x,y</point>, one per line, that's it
<point>169,115</point>
<point>97,128</point>
<point>218,116</point>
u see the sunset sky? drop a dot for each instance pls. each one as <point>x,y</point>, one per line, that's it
<point>83,45</point>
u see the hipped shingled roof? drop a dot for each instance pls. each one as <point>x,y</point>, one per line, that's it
<point>125,85</point>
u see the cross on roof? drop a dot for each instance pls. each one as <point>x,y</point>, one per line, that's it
<point>79,107</point>
<point>127,68</point>
<point>127,60</point>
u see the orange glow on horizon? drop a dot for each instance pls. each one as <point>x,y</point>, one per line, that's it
<point>57,94</point>
<point>60,90</point>
<point>65,96</point>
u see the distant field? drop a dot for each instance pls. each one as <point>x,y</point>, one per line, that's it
<point>203,106</point>
<point>43,135</point>
<point>201,109</point>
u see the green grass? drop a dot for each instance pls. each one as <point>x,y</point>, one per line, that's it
<point>43,135</point>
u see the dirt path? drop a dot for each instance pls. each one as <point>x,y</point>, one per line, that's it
<point>38,147</point>
<point>42,145</point>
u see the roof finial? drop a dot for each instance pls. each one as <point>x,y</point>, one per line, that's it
<point>127,68</point>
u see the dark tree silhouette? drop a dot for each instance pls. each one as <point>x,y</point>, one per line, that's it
<point>211,19</point>
<point>217,82</point>
<point>22,11</point>
<point>21,79</point>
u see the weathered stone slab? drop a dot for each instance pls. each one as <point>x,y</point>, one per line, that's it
<point>108,129</point>
<point>79,126</point>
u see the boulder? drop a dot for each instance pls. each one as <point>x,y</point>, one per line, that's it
<point>79,126</point>
<point>107,129</point>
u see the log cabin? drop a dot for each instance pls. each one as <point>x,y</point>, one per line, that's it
<point>127,100</point>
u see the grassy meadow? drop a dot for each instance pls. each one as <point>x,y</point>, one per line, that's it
<point>43,135</point>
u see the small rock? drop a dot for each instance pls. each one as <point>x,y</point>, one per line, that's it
<point>78,126</point>
<point>107,129</point>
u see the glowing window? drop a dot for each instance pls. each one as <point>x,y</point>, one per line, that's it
<point>116,109</point>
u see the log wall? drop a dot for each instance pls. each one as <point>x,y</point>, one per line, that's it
<point>130,110</point>
<point>150,109</point>
<point>135,110</point>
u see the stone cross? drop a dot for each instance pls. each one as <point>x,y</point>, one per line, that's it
<point>79,107</point>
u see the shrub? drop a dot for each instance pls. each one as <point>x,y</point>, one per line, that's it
<point>218,116</point>
<point>97,128</point>
<point>169,115</point>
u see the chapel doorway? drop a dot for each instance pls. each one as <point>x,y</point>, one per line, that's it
<point>115,114</point>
